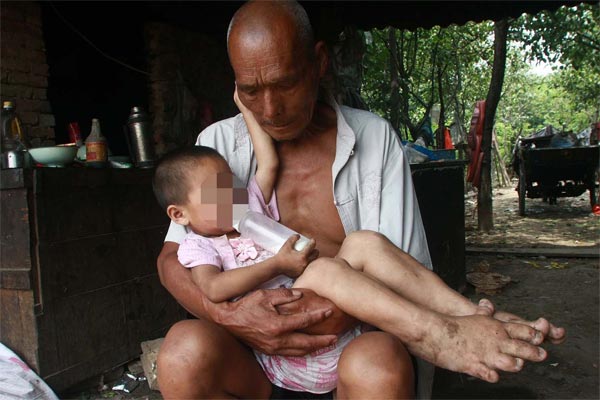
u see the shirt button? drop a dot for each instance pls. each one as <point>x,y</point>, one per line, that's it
<point>351,152</point>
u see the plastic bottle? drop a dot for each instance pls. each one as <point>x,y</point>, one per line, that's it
<point>96,148</point>
<point>269,234</point>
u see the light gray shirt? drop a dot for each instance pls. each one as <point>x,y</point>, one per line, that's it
<point>373,186</point>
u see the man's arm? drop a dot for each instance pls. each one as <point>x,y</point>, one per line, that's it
<point>254,318</point>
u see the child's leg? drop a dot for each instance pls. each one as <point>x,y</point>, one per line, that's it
<point>372,253</point>
<point>454,343</point>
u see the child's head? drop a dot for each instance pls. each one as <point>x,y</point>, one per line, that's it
<point>195,187</point>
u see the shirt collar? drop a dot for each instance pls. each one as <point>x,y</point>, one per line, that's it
<point>346,137</point>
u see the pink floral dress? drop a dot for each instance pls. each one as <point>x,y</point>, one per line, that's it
<point>315,372</point>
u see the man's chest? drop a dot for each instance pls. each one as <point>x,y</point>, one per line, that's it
<point>306,201</point>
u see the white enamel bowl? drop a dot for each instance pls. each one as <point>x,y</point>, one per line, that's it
<point>54,156</point>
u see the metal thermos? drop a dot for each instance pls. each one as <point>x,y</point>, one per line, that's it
<point>139,138</point>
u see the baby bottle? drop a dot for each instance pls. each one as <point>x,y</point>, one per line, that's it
<point>268,233</point>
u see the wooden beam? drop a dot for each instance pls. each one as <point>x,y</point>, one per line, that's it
<point>555,252</point>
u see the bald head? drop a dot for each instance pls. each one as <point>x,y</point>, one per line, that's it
<point>259,21</point>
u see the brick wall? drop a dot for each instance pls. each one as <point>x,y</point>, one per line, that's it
<point>24,70</point>
<point>191,84</point>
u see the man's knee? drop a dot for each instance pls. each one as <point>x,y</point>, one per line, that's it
<point>358,241</point>
<point>190,347</point>
<point>378,360</point>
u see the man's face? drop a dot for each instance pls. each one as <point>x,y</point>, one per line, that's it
<point>277,84</point>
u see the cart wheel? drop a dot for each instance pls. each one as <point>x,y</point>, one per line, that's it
<point>522,191</point>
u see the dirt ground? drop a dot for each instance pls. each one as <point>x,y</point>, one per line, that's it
<point>565,290</point>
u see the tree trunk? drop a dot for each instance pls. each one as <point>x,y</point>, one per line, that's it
<point>394,93</point>
<point>485,216</point>
<point>439,139</point>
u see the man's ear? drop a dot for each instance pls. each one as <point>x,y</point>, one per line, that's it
<point>178,215</point>
<point>322,57</point>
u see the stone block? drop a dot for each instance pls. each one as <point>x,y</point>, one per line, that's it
<point>148,358</point>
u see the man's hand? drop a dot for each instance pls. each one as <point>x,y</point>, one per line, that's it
<point>254,319</point>
<point>337,323</point>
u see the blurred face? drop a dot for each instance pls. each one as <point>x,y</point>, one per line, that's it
<point>277,83</point>
<point>213,202</point>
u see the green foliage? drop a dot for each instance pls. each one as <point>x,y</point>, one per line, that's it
<point>459,60</point>
<point>460,55</point>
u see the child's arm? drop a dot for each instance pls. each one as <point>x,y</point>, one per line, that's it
<point>221,286</point>
<point>264,148</point>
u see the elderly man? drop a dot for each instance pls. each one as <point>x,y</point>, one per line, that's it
<point>340,170</point>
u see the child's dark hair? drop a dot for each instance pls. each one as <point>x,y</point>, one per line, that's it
<point>170,183</point>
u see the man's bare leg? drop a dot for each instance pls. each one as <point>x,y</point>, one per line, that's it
<point>199,360</point>
<point>375,365</point>
<point>477,345</point>
<point>373,254</point>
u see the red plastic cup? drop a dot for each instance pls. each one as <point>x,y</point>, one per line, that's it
<point>74,133</point>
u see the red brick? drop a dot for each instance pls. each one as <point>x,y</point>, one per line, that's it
<point>20,91</point>
<point>40,106</point>
<point>18,77</point>
<point>10,52</point>
<point>33,16</point>
<point>47,120</point>
<point>39,94</point>
<point>38,81</point>
<point>27,117</point>
<point>41,132</point>
<point>16,64</point>
<point>9,26</point>
<point>10,11</point>
<point>36,56</point>
<point>39,69</point>
<point>33,41</point>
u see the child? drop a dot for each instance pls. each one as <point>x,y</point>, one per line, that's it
<point>194,185</point>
